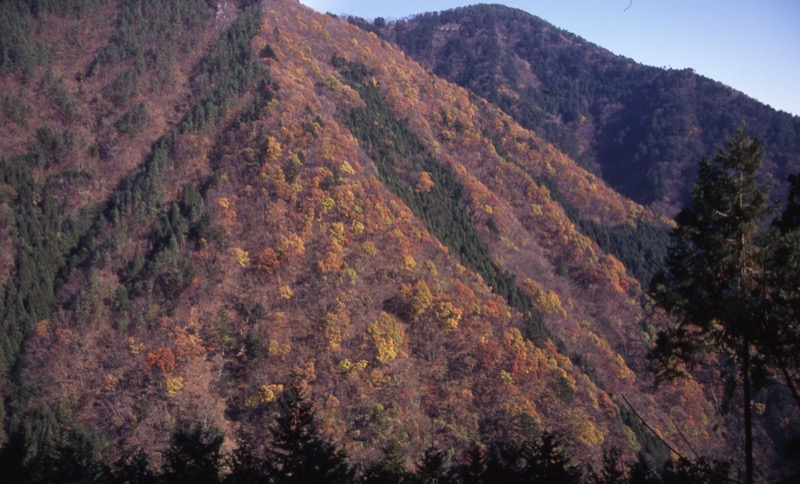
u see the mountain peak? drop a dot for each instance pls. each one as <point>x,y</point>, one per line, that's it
<point>642,129</point>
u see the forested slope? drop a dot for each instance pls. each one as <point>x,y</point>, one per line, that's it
<point>642,128</point>
<point>264,197</point>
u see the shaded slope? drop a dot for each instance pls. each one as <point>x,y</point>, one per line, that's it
<point>643,128</point>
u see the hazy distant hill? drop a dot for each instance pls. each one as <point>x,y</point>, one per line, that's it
<point>643,129</point>
<point>203,203</point>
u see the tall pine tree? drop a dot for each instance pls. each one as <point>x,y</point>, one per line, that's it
<point>194,455</point>
<point>782,343</point>
<point>712,279</point>
<point>299,453</point>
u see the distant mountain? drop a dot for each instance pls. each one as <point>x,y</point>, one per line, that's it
<point>643,129</point>
<point>203,204</point>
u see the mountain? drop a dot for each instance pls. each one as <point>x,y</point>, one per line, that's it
<point>642,129</point>
<point>206,203</point>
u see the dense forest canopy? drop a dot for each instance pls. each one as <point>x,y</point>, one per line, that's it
<point>244,241</point>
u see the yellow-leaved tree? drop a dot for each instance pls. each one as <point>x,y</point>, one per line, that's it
<point>388,335</point>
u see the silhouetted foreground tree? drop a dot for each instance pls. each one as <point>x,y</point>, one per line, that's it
<point>296,452</point>
<point>711,279</point>
<point>194,456</point>
<point>782,344</point>
<point>730,285</point>
<point>391,468</point>
<point>299,453</point>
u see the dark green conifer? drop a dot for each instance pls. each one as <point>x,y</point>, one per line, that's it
<point>299,453</point>
<point>711,280</point>
<point>641,471</point>
<point>613,471</point>
<point>133,468</point>
<point>432,467</point>
<point>391,468</point>
<point>194,456</point>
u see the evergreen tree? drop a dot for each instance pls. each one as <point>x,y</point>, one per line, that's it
<point>193,456</point>
<point>432,469</point>
<point>703,471</point>
<point>538,460</point>
<point>613,470</point>
<point>46,444</point>
<point>473,466</point>
<point>137,264</point>
<point>790,219</point>
<point>782,342</point>
<point>391,468</point>
<point>641,471</point>
<point>133,469</point>
<point>299,453</point>
<point>546,462</point>
<point>502,464</point>
<point>246,466</point>
<point>711,280</point>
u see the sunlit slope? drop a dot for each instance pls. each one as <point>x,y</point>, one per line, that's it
<point>302,203</point>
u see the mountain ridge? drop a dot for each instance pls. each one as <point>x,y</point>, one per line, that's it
<point>641,128</point>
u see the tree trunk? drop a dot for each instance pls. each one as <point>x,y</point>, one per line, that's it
<point>748,416</point>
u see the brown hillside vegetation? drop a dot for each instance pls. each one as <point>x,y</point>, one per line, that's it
<point>277,208</point>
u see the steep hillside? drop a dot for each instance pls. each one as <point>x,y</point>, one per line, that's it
<point>643,129</point>
<point>204,208</point>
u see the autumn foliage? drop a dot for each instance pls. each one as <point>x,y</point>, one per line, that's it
<point>305,207</point>
<point>161,360</point>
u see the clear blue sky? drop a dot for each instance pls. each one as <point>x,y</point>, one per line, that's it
<point>750,45</point>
